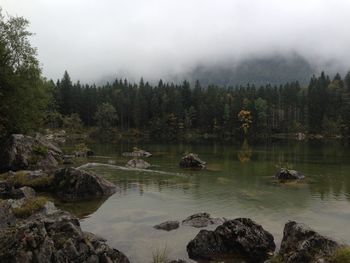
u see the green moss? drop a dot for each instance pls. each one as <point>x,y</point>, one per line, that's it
<point>29,207</point>
<point>40,150</point>
<point>341,255</point>
<point>22,179</point>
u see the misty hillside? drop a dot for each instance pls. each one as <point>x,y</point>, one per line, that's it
<point>272,70</point>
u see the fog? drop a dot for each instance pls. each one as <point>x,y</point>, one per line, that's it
<point>96,39</point>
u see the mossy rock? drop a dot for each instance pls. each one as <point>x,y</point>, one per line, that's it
<point>29,207</point>
<point>25,178</point>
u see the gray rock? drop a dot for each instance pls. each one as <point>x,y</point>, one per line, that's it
<point>8,191</point>
<point>168,225</point>
<point>201,220</point>
<point>73,184</point>
<point>138,163</point>
<point>21,152</point>
<point>240,238</point>
<point>192,160</point>
<point>286,174</point>
<point>50,237</point>
<point>302,244</point>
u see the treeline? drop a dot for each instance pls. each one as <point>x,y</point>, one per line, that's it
<point>171,110</point>
<point>29,102</point>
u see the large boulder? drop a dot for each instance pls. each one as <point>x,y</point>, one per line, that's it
<point>137,163</point>
<point>22,152</point>
<point>201,220</point>
<point>240,238</point>
<point>192,160</point>
<point>168,225</point>
<point>50,235</point>
<point>287,174</point>
<point>74,184</point>
<point>302,244</point>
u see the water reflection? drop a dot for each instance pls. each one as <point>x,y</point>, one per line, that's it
<point>238,183</point>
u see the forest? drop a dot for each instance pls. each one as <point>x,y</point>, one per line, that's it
<point>166,110</point>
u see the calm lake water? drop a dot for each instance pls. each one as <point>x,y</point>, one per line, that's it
<point>237,183</point>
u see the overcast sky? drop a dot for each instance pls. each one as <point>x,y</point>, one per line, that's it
<point>97,38</point>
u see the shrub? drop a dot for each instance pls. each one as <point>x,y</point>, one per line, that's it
<point>160,256</point>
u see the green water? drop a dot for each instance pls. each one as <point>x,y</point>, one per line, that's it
<point>237,183</point>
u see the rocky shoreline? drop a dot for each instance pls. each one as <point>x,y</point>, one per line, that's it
<point>32,229</point>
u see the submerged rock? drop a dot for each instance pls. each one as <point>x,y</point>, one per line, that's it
<point>21,152</point>
<point>49,235</point>
<point>137,153</point>
<point>286,174</point>
<point>168,225</point>
<point>138,163</point>
<point>201,220</point>
<point>73,184</point>
<point>241,238</point>
<point>302,244</point>
<point>192,160</point>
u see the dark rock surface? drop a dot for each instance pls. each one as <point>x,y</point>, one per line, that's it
<point>8,191</point>
<point>192,160</point>
<point>286,174</point>
<point>302,244</point>
<point>168,225</point>
<point>22,152</point>
<point>201,220</point>
<point>138,163</point>
<point>50,235</point>
<point>73,184</point>
<point>238,238</point>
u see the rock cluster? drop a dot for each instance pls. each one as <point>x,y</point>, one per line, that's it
<point>201,220</point>
<point>192,160</point>
<point>22,152</point>
<point>287,174</point>
<point>137,163</point>
<point>50,235</point>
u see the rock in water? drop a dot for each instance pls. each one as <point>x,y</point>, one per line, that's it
<point>168,225</point>
<point>137,153</point>
<point>192,160</point>
<point>21,152</point>
<point>201,220</point>
<point>286,174</point>
<point>138,163</point>
<point>241,238</point>
<point>302,244</point>
<point>73,184</point>
<point>50,235</point>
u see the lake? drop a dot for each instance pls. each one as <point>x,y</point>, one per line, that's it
<point>238,182</point>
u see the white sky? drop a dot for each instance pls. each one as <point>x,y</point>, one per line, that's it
<point>97,38</point>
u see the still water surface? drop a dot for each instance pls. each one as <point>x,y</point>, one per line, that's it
<point>237,183</point>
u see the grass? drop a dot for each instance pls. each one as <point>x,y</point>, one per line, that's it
<point>276,259</point>
<point>29,207</point>
<point>22,179</point>
<point>341,255</point>
<point>160,256</point>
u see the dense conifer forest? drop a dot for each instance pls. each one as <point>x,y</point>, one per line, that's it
<point>166,110</point>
